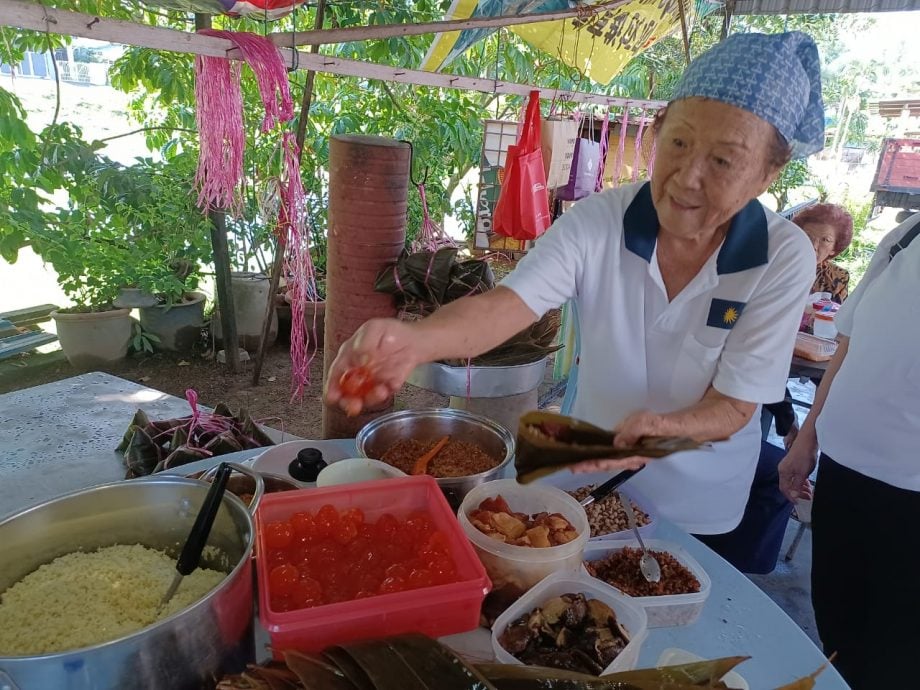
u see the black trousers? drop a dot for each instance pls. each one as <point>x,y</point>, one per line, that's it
<point>865,577</point>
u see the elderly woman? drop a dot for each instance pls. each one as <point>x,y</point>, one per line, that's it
<point>830,229</point>
<point>688,291</point>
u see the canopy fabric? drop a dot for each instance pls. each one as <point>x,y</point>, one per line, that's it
<point>599,45</point>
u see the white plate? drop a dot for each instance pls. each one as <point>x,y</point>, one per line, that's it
<point>276,459</point>
<point>673,657</point>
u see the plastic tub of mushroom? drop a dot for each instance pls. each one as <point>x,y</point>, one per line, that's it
<point>574,623</point>
<point>677,599</point>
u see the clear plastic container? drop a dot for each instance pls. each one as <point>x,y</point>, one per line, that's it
<point>518,568</point>
<point>814,348</point>
<point>433,611</point>
<point>664,611</point>
<point>629,614</point>
<point>823,326</point>
<point>569,481</point>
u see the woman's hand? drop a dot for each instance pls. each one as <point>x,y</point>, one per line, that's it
<point>795,469</point>
<point>628,433</point>
<point>388,348</point>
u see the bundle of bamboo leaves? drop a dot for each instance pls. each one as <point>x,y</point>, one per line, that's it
<point>415,662</point>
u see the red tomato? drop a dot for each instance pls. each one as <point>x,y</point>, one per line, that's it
<point>306,591</point>
<point>278,535</point>
<point>357,382</point>
<point>302,524</point>
<point>282,579</point>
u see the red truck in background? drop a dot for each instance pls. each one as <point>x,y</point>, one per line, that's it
<point>897,178</point>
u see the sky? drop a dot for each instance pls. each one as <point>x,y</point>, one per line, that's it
<point>893,37</point>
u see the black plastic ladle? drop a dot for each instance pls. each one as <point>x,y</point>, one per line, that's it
<point>190,558</point>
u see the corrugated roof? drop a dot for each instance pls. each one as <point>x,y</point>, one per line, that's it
<point>822,6</point>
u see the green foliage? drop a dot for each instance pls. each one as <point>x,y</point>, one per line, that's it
<point>143,340</point>
<point>857,256</point>
<point>793,176</point>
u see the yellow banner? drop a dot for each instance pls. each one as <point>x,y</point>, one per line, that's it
<point>599,45</point>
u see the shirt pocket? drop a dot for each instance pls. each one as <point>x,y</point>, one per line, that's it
<point>694,369</point>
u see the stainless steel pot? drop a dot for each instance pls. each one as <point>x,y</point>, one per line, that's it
<point>211,637</point>
<point>379,435</point>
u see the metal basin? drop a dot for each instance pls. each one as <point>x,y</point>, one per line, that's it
<point>208,638</point>
<point>379,435</point>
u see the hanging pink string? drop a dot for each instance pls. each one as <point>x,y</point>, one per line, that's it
<point>651,156</point>
<point>431,237</point>
<point>605,144</point>
<point>219,115</point>
<point>621,147</point>
<point>220,122</point>
<point>637,151</point>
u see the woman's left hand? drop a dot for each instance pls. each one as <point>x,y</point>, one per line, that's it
<point>628,433</point>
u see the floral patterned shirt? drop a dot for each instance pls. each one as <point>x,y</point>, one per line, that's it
<point>833,279</point>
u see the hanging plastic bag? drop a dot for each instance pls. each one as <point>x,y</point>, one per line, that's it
<point>522,211</point>
<point>583,176</point>
<point>558,135</point>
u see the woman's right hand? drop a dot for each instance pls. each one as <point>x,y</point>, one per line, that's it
<point>388,349</point>
<point>795,469</point>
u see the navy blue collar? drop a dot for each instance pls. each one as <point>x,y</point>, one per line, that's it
<point>745,246</point>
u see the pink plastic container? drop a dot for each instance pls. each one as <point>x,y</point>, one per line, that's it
<point>434,611</point>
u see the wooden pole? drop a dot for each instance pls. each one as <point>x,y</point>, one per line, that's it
<point>28,15</point>
<point>221,254</point>
<point>377,31</point>
<point>279,246</point>
<point>683,29</point>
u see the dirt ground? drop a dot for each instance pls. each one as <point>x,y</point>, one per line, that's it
<point>269,402</point>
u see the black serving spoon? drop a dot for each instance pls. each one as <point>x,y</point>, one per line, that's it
<point>190,558</point>
<point>608,487</point>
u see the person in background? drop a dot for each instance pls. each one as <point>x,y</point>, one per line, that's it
<point>830,229</point>
<point>688,290</point>
<point>865,420</point>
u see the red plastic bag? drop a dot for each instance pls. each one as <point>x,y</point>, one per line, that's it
<point>522,211</point>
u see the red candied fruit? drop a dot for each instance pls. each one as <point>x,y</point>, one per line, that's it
<point>386,527</point>
<point>302,524</point>
<point>326,520</point>
<point>420,578</point>
<point>357,382</point>
<point>392,585</point>
<point>277,557</point>
<point>282,580</point>
<point>278,535</point>
<point>306,593</point>
<point>345,532</point>
<point>355,515</point>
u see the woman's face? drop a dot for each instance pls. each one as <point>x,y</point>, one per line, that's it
<point>823,238</point>
<point>712,159</point>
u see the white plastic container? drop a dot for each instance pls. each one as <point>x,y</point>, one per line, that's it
<point>663,611</point>
<point>824,325</point>
<point>629,614</point>
<point>519,568</point>
<point>569,481</point>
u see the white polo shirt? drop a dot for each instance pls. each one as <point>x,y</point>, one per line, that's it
<point>871,418</point>
<point>732,327</point>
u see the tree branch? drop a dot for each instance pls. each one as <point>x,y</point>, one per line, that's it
<point>148,129</point>
<point>399,106</point>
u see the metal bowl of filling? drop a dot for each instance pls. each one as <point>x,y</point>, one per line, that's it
<point>473,449</point>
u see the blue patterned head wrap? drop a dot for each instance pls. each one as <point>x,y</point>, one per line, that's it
<point>777,77</point>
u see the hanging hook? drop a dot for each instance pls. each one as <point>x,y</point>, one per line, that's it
<point>412,179</point>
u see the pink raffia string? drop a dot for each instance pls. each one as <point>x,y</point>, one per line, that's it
<point>220,170</point>
<point>605,144</point>
<point>637,151</point>
<point>431,236</point>
<point>651,157</point>
<point>621,147</point>
<point>294,227</point>
<point>219,115</point>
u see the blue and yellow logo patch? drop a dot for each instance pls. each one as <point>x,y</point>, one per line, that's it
<point>724,313</point>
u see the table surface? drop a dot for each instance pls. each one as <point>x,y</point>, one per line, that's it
<point>807,368</point>
<point>64,433</point>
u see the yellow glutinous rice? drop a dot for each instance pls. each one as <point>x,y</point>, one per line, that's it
<point>84,599</point>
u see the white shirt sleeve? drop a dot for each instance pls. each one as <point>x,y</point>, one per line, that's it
<point>754,364</point>
<point>550,273</point>
<point>843,319</point>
